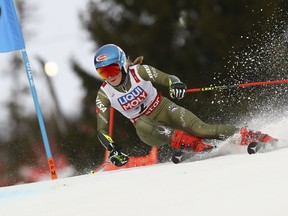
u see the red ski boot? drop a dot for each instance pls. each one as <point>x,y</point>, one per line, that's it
<point>249,136</point>
<point>180,140</point>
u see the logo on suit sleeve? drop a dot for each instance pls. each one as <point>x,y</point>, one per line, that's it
<point>133,99</point>
<point>100,106</point>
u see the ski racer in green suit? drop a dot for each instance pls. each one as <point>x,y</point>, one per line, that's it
<point>159,121</point>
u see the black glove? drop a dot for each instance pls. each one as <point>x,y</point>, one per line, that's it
<point>117,157</point>
<point>177,90</point>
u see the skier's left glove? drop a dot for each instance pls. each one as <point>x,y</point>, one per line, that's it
<point>118,158</point>
<point>177,90</point>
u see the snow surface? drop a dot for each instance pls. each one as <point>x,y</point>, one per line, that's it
<point>234,183</point>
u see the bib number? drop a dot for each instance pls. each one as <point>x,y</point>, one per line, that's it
<point>142,108</point>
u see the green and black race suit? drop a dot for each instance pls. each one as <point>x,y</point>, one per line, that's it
<point>154,118</point>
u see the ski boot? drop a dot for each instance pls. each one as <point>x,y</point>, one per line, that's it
<point>248,136</point>
<point>183,141</point>
<point>188,145</point>
<point>256,141</point>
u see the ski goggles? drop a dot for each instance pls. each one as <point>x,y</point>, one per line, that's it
<point>109,70</point>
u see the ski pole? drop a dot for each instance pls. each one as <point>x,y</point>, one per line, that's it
<point>243,85</point>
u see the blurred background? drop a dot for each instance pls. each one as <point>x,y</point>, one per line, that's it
<point>204,43</point>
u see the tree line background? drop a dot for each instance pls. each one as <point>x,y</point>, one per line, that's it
<point>204,43</point>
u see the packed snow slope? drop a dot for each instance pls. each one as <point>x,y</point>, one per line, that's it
<point>234,183</point>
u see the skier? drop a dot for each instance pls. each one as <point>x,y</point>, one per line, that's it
<point>128,87</point>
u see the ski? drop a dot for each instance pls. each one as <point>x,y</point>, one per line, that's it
<point>261,147</point>
<point>189,156</point>
<point>254,147</point>
<point>181,156</point>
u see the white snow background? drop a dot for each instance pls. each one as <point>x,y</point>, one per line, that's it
<point>229,185</point>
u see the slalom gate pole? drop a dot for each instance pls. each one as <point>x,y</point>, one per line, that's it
<point>111,122</point>
<point>243,85</point>
<point>39,115</point>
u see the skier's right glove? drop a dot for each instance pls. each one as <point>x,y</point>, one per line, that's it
<point>118,158</point>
